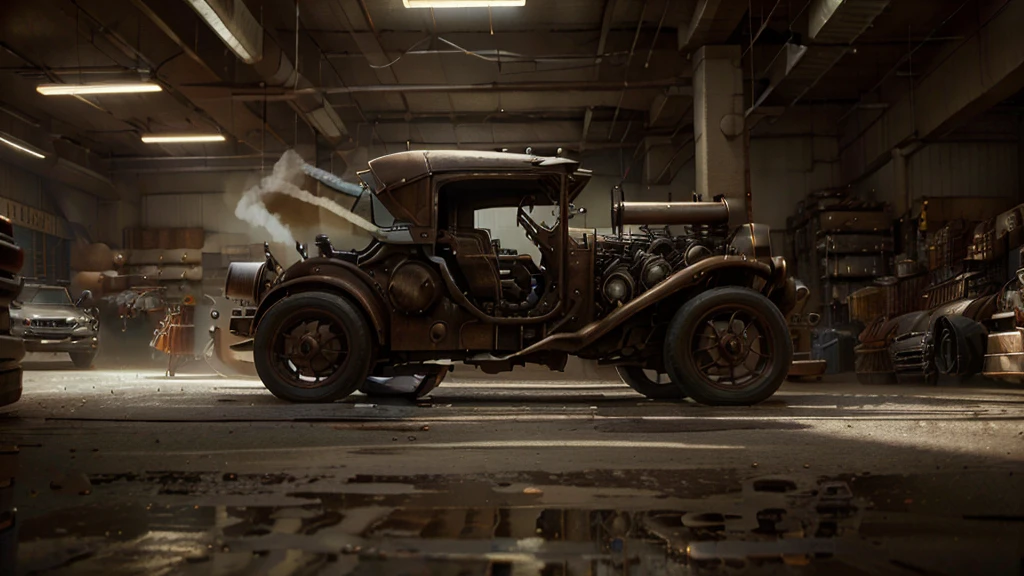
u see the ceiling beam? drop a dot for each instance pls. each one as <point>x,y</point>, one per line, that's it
<point>712,23</point>
<point>234,118</point>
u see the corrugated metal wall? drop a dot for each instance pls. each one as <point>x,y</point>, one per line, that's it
<point>879,185</point>
<point>965,169</point>
<point>20,186</point>
<point>46,256</point>
<point>212,211</point>
<point>172,210</point>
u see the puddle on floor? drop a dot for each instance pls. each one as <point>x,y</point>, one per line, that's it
<point>531,523</point>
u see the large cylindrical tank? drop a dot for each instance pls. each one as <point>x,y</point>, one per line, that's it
<point>669,213</point>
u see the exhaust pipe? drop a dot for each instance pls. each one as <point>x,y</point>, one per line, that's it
<point>669,213</point>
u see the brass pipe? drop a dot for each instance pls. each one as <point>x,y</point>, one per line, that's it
<point>668,213</point>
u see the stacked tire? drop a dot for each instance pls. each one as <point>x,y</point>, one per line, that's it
<point>12,348</point>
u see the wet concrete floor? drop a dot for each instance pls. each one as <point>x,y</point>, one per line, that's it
<point>130,472</point>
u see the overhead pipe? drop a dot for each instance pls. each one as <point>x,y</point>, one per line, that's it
<point>578,86</point>
<point>278,70</point>
<point>669,213</point>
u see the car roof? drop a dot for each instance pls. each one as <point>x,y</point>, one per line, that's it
<point>401,168</point>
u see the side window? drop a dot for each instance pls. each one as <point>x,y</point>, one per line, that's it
<point>381,216</point>
<point>501,223</point>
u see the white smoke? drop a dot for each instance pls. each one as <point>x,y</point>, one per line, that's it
<point>284,179</point>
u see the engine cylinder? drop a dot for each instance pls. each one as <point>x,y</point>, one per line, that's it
<point>618,286</point>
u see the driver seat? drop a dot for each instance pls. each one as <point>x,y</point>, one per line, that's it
<point>478,263</point>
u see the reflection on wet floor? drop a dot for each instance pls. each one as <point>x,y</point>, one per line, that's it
<point>711,522</point>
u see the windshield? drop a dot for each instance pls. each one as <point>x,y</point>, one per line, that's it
<point>45,295</point>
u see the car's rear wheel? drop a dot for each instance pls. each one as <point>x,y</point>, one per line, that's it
<point>728,346</point>
<point>650,383</point>
<point>82,359</point>
<point>313,347</point>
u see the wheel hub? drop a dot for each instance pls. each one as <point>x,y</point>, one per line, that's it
<point>308,346</point>
<point>733,348</point>
<point>729,350</point>
<point>313,349</point>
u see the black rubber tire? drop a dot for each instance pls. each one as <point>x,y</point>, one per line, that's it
<point>82,360</point>
<point>343,381</point>
<point>635,378</point>
<point>680,362</point>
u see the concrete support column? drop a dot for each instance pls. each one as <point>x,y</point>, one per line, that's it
<point>718,125</point>
<point>901,201</point>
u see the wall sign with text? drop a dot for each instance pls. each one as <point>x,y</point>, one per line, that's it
<point>29,217</point>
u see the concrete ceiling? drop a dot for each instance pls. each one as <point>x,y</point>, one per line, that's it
<point>583,75</point>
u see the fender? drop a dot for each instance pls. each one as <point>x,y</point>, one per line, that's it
<point>572,342</point>
<point>330,275</point>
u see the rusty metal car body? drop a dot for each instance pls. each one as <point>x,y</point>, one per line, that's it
<point>432,288</point>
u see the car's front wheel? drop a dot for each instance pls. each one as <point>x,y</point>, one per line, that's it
<point>82,359</point>
<point>313,347</point>
<point>651,383</point>
<point>728,346</point>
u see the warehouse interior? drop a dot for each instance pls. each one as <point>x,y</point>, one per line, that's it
<point>147,147</point>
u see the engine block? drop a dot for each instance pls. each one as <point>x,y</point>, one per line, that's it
<point>629,264</point>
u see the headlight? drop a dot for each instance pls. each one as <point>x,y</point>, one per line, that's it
<point>71,320</point>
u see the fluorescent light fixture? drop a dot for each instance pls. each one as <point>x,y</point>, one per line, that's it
<point>18,145</point>
<point>235,26</point>
<point>87,89</point>
<point>463,3</point>
<point>178,138</point>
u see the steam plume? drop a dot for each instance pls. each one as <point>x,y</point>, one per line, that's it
<point>284,179</point>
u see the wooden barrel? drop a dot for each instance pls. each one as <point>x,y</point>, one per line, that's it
<point>178,256</point>
<point>165,238</point>
<point>191,238</point>
<point>191,273</point>
<point>147,274</point>
<point>142,257</point>
<point>149,239</point>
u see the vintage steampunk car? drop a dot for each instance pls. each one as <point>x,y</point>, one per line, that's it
<point>698,313</point>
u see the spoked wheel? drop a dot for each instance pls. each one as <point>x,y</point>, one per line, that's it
<point>728,346</point>
<point>313,347</point>
<point>650,383</point>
